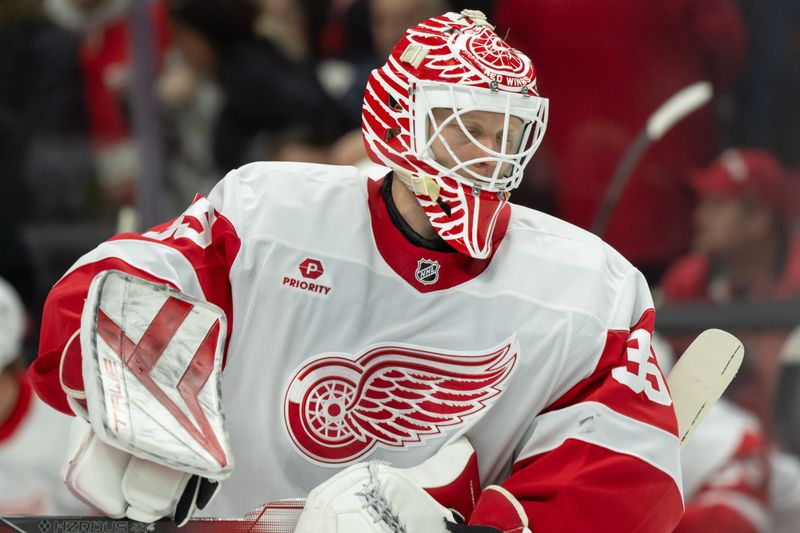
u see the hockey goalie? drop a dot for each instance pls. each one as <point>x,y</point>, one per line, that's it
<point>410,353</point>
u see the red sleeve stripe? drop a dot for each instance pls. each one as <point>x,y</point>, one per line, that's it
<point>157,259</point>
<point>601,386</point>
<point>600,425</point>
<point>582,487</point>
<point>749,508</point>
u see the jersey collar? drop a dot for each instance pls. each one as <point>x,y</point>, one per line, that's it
<point>426,265</point>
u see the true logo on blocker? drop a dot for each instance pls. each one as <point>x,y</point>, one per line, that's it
<point>310,269</point>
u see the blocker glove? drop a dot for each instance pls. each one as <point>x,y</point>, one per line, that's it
<point>155,443</point>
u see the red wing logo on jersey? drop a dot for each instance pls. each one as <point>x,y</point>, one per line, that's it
<point>338,408</point>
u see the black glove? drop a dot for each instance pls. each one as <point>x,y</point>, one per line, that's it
<point>197,495</point>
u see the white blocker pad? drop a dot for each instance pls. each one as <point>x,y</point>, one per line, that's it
<point>152,361</point>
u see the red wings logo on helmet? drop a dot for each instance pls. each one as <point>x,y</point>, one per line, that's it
<point>338,409</point>
<point>471,54</point>
<point>490,51</point>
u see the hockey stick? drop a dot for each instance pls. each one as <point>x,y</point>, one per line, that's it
<point>675,109</point>
<point>701,375</point>
<point>790,353</point>
<point>279,516</point>
<point>127,219</point>
<point>696,382</point>
<point>786,404</point>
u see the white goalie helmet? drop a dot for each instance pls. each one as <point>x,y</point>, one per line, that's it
<point>12,324</point>
<point>456,113</point>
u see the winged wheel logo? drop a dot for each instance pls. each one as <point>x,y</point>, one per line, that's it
<point>339,408</point>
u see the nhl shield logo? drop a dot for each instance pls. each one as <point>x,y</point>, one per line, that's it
<point>427,271</point>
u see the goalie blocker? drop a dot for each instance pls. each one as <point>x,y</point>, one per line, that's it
<point>156,443</point>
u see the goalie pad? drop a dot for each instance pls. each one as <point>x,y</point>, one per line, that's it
<point>376,497</point>
<point>152,361</point>
<point>372,498</point>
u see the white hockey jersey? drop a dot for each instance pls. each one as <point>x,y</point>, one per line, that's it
<point>349,343</point>
<point>33,442</point>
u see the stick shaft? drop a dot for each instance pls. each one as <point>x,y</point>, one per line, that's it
<point>672,111</point>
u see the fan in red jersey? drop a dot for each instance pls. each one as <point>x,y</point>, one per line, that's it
<point>410,353</point>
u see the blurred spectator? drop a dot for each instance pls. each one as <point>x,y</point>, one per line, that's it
<point>44,150</point>
<point>766,111</point>
<point>734,479</point>
<point>743,251</point>
<point>191,99</point>
<point>265,70</point>
<point>18,269</point>
<point>16,265</point>
<point>29,462</point>
<point>104,56</point>
<point>607,67</point>
<point>63,108</point>
<point>388,20</point>
<point>299,144</point>
<point>784,492</point>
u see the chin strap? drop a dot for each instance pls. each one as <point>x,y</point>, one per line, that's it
<point>419,185</point>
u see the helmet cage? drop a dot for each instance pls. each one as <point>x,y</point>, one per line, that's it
<point>531,110</point>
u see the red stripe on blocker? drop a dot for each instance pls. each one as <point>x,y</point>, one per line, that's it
<point>142,357</point>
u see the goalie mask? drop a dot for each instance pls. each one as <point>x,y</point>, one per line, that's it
<point>455,112</point>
